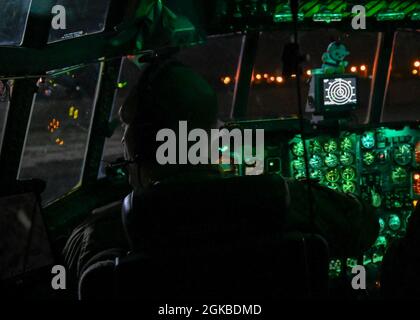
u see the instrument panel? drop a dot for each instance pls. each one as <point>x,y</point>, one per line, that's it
<point>380,165</point>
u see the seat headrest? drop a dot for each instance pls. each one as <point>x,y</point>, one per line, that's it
<point>235,208</point>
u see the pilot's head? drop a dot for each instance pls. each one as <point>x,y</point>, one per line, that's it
<point>168,92</point>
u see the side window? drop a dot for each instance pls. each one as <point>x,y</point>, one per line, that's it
<point>217,62</point>
<point>14,17</point>
<point>82,18</point>
<point>402,100</point>
<point>5,93</point>
<point>113,149</point>
<point>58,131</point>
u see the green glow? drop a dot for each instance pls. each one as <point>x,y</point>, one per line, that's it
<point>346,158</point>
<point>381,241</point>
<point>330,146</point>
<point>368,158</point>
<point>332,176</point>
<point>348,174</point>
<point>122,85</point>
<point>346,144</point>
<point>315,162</point>
<point>327,17</point>
<point>298,149</point>
<point>415,16</point>
<point>390,16</point>
<point>224,149</point>
<point>349,187</point>
<point>284,14</point>
<point>394,222</point>
<point>331,160</point>
<point>368,140</point>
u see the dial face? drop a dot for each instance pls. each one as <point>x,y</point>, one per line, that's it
<point>349,187</point>
<point>346,158</point>
<point>333,175</point>
<point>330,146</point>
<point>316,147</point>
<point>399,175</point>
<point>298,149</point>
<point>368,158</point>
<point>316,162</point>
<point>346,144</point>
<point>394,222</point>
<point>381,225</point>
<point>348,174</point>
<point>403,154</point>
<point>299,164</point>
<point>316,174</point>
<point>331,160</point>
<point>368,140</point>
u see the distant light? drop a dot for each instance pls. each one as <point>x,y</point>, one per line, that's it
<point>272,79</point>
<point>293,76</point>
<point>258,77</point>
<point>417,64</point>
<point>415,203</point>
<point>363,67</point>
<point>265,76</point>
<point>309,72</point>
<point>353,69</point>
<point>415,72</point>
<point>122,85</point>
<point>227,80</point>
<point>417,176</point>
<point>279,79</point>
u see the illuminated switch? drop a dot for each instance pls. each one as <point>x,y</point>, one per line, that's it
<point>273,165</point>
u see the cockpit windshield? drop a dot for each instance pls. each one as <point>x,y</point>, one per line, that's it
<point>14,16</point>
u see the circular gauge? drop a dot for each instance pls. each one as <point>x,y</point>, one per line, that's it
<point>394,222</point>
<point>348,174</point>
<point>368,140</point>
<point>346,158</point>
<point>316,162</point>
<point>316,174</point>
<point>331,160</point>
<point>368,158</point>
<point>403,154</point>
<point>349,187</point>
<point>346,144</point>
<point>332,175</point>
<point>300,175</point>
<point>316,146</point>
<point>299,164</point>
<point>332,185</point>
<point>330,146</point>
<point>381,225</point>
<point>298,149</point>
<point>381,241</point>
<point>399,175</point>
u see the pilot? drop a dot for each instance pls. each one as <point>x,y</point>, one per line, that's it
<point>167,93</point>
<point>400,277</point>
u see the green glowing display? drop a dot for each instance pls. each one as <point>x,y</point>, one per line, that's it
<point>299,164</point>
<point>394,222</point>
<point>403,154</point>
<point>346,158</point>
<point>330,146</point>
<point>349,187</point>
<point>316,174</point>
<point>346,144</point>
<point>381,241</point>
<point>332,185</point>
<point>390,16</point>
<point>399,175</point>
<point>331,160</point>
<point>298,149</point>
<point>381,225</point>
<point>368,158</point>
<point>332,176</point>
<point>348,174</point>
<point>316,162</point>
<point>327,17</point>
<point>316,147</point>
<point>368,140</point>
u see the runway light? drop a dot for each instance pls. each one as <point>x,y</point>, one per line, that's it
<point>272,79</point>
<point>227,80</point>
<point>415,72</point>
<point>279,79</point>
<point>265,75</point>
<point>293,76</point>
<point>309,72</point>
<point>417,63</point>
<point>353,69</point>
<point>363,67</point>
<point>258,77</point>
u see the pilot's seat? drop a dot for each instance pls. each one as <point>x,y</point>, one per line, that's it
<point>218,238</point>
